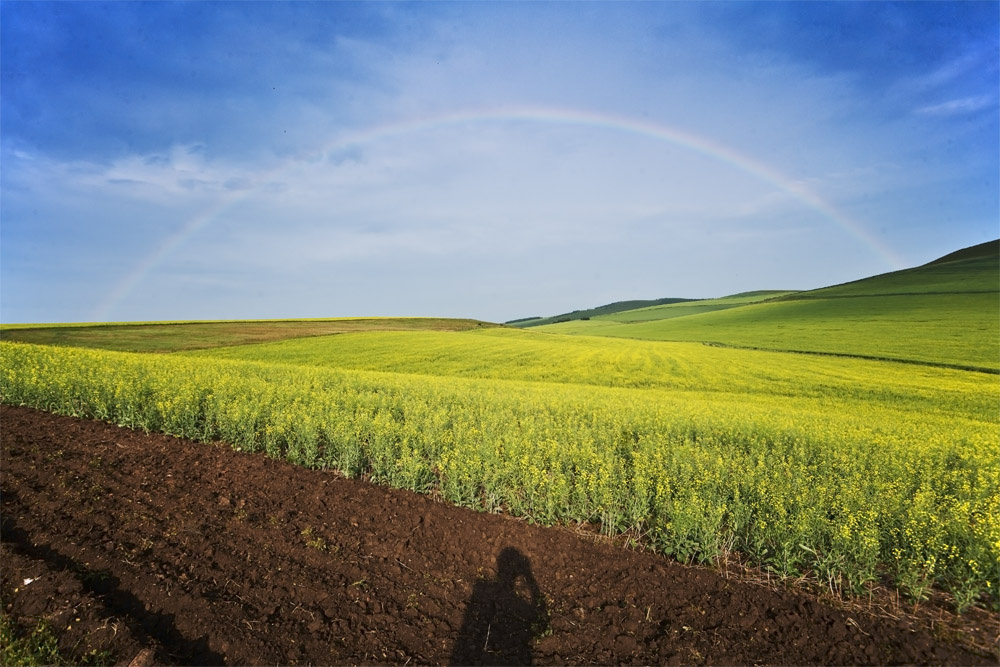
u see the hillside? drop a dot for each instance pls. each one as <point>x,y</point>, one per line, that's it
<point>607,309</point>
<point>175,336</point>
<point>946,312</point>
<point>685,308</point>
<point>973,269</point>
<point>988,249</point>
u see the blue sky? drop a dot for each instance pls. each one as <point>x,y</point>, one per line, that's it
<point>490,160</point>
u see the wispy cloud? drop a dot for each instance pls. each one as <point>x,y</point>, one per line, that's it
<point>960,106</point>
<point>970,61</point>
<point>222,142</point>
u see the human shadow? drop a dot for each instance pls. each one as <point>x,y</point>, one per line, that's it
<point>503,616</point>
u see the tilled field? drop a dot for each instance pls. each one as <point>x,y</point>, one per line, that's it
<point>156,549</point>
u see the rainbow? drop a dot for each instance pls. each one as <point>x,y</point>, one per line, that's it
<point>654,131</point>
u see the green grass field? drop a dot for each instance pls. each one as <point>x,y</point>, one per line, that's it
<point>672,310</point>
<point>606,309</point>
<point>174,336</point>
<point>842,469</point>
<point>943,313</point>
<point>947,329</point>
<point>968,271</point>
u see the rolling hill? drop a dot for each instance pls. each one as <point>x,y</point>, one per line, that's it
<point>194,335</point>
<point>607,309</point>
<point>945,312</point>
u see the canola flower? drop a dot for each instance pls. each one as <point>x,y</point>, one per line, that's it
<point>846,482</point>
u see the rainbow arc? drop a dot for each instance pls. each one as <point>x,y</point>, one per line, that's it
<point>653,131</point>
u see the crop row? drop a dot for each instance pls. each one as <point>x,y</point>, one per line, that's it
<point>845,490</point>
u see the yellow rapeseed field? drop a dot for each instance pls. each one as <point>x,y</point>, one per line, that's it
<point>844,470</point>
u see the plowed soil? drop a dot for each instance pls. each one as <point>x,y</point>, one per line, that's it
<point>156,549</point>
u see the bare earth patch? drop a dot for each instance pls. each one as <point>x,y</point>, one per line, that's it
<point>156,549</point>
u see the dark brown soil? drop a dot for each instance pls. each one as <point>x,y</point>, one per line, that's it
<point>159,549</point>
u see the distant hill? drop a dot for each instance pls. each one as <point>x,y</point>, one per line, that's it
<point>944,313</point>
<point>616,307</point>
<point>973,269</point>
<point>684,308</point>
<point>988,249</point>
<point>763,293</point>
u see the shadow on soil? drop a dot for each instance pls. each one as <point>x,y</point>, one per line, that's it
<point>119,602</point>
<point>503,617</point>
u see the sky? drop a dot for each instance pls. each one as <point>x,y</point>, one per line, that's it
<point>196,160</point>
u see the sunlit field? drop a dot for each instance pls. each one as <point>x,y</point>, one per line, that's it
<point>174,336</point>
<point>841,469</point>
<point>945,313</point>
<point>942,329</point>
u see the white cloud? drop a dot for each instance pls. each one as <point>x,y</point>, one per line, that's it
<point>959,106</point>
<point>547,201</point>
<point>953,69</point>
